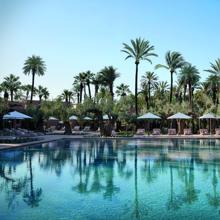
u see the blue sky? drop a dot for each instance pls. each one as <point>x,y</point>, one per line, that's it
<point>79,35</point>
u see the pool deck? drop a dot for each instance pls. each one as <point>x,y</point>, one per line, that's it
<point>50,138</point>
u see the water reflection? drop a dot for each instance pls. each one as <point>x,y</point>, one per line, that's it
<point>132,171</point>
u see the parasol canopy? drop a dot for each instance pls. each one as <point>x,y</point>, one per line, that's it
<point>73,117</point>
<point>16,115</point>
<point>149,115</point>
<point>179,115</point>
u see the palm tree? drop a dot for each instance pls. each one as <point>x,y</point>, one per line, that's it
<point>81,80</point>
<point>11,83</point>
<point>215,67</point>
<point>161,88</point>
<point>27,90</point>
<point>34,65</point>
<point>89,77</point>
<point>76,90</point>
<point>149,80</point>
<point>97,81</point>
<point>65,95</point>
<point>174,61</point>
<point>140,49</point>
<point>212,87</point>
<point>189,77</point>
<point>122,90</point>
<point>42,92</point>
<point>109,75</point>
<point>46,93</point>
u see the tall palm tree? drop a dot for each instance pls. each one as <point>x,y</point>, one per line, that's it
<point>122,90</point>
<point>140,49</point>
<point>215,67</point>
<point>34,65</point>
<point>149,80</point>
<point>81,80</point>
<point>12,84</point>
<point>89,77</point>
<point>189,77</point>
<point>97,81</point>
<point>109,75</point>
<point>174,61</point>
<point>76,90</point>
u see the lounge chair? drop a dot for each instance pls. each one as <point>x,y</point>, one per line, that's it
<point>203,131</point>
<point>113,133</point>
<point>172,131</point>
<point>156,131</point>
<point>76,128</point>
<point>187,131</point>
<point>140,131</point>
<point>217,131</point>
<point>86,128</point>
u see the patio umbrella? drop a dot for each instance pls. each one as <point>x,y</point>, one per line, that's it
<point>16,116</point>
<point>87,119</point>
<point>73,117</point>
<point>105,117</point>
<point>148,116</point>
<point>51,118</point>
<point>179,116</point>
<point>208,116</point>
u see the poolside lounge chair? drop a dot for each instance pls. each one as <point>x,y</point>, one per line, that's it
<point>76,128</point>
<point>187,131</point>
<point>156,131</point>
<point>172,131</point>
<point>140,131</point>
<point>86,128</point>
<point>217,131</point>
<point>113,133</point>
<point>203,131</point>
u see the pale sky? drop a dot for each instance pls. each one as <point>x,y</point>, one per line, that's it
<point>73,36</point>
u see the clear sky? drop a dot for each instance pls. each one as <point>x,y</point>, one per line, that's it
<point>79,35</point>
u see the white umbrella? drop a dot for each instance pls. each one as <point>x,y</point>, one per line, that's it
<point>105,117</point>
<point>149,115</point>
<point>179,116</point>
<point>209,116</point>
<point>73,117</point>
<point>16,115</point>
<point>51,118</point>
<point>87,119</point>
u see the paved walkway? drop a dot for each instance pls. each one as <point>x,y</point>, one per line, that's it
<point>49,138</point>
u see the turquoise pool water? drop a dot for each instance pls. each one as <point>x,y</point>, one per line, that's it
<point>111,179</point>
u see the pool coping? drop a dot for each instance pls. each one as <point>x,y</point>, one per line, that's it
<point>51,138</point>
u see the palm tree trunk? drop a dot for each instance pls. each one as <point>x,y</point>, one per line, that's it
<point>184,93</point>
<point>171,86</point>
<point>32,86</point>
<point>81,91</point>
<point>111,91</point>
<point>78,98</point>
<point>136,89</point>
<point>190,95</point>
<point>11,94</point>
<point>96,89</point>
<point>89,90</point>
<point>149,93</point>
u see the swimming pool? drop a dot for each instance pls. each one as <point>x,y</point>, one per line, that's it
<point>105,179</point>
